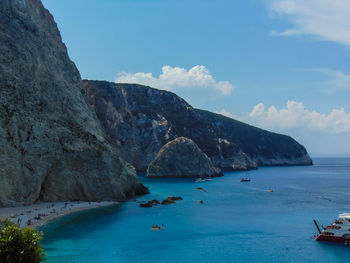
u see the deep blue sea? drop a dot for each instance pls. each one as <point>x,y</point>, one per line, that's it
<point>238,222</point>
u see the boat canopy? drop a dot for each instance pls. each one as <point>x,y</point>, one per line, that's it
<point>344,216</point>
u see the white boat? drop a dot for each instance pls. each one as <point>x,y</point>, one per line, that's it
<point>338,232</point>
<point>202,180</point>
<point>245,180</point>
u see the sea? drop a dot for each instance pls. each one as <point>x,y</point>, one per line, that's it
<point>237,222</point>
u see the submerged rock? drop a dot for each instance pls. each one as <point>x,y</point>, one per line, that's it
<point>171,200</point>
<point>182,158</point>
<point>146,205</point>
<point>52,147</point>
<point>155,202</point>
<point>168,202</point>
<point>175,198</point>
<point>150,203</point>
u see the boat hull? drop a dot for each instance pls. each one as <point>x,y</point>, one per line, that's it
<point>334,239</point>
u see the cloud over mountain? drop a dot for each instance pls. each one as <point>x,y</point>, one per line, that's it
<point>173,78</point>
<point>226,113</point>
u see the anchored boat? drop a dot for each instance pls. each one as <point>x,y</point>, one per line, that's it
<point>157,228</point>
<point>338,232</point>
<point>245,180</point>
<point>202,180</point>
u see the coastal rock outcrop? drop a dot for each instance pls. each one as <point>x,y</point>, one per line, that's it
<point>262,147</point>
<point>182,158</point>
<point>52,147</point>
<point>140,120</point>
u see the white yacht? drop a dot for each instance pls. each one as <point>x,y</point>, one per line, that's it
<point>338,232</point>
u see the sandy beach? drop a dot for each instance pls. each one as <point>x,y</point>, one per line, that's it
<point>39,214</point>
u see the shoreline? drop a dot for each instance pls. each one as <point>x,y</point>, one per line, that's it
<point>39,214</point>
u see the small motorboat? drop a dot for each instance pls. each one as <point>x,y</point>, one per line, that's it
<point>245,180</point>
<point>200,180</point>
<point>157,228</point>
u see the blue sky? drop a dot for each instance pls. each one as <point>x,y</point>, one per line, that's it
<point>282,65</point>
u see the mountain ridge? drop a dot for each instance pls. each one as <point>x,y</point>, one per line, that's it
<point>141,119</point>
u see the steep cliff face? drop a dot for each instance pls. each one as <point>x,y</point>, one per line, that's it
<point>263,147</point>
<point>134,118</point>
<point>142,119</point>
<point>182,158</point>
<point>51,144</point>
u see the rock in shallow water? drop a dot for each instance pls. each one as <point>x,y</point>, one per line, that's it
<point>171,200</point>
<point>182,158</point>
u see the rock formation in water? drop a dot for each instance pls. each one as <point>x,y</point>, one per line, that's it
<point>140,120</point>
<point>52,146</point>
<point>182,158</point>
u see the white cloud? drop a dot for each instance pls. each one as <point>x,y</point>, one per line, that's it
<point>173,78</point>
<point>226,113</point>
<point>296,116</point>
<point>319,133</point>
<point>326,19</point>
<point>337,79</point>
<point>258,110</point>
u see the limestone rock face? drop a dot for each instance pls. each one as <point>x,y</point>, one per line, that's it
<point>140,120</point>
<point>52,146</point>
<point>262,147</point>
<point>134,118</point>
<point>182,158</point>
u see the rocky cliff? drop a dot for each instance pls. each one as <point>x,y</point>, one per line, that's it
<point>182,158</point>
<point>52,146</point>
<point>140,120</point>
<point>263,147</point>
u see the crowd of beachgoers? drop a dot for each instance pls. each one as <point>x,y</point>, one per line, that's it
<point>38,214</point>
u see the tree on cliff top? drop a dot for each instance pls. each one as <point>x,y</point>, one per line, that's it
<point>19,245</point>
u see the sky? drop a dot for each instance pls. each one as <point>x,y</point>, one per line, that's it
<point>281,65</point>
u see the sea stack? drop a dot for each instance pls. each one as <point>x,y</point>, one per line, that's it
<point>182,158</point>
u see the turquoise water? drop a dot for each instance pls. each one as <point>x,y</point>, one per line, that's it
<point>238,222</point>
